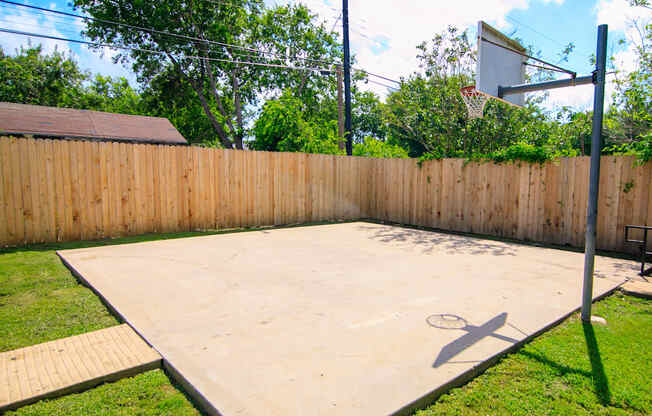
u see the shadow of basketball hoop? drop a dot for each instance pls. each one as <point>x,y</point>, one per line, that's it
<point>474,333</point>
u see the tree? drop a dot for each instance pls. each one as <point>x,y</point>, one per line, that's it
<point>630,116</point>
<point>168,95</point>
<point>215,41</point>
<point>113,95</point>
<point>31,77</point>
<point>282,127</point>
<point>427,116</point>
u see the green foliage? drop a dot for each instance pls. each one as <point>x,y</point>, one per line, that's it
<point>31,77</point>
<point>428,117</point>
<point>167,95</point>
<point>629,119</point>
<point>371,147</point>
<point>521,151</point>
<point>224,90</point>
<point>113,95</point>
<point>642,149</point>
<point>282,127</point>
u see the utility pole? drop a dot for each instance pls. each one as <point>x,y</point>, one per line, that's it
<point>340,107</point>
<point>594,175</point>
<point>347,77</point>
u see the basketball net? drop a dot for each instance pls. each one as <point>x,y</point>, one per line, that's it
<point>474,101</point>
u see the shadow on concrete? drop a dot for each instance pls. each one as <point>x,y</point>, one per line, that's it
<point>628,267</point>
<point>597,373</point>
<point>473,335</point>
<point>429,241</point>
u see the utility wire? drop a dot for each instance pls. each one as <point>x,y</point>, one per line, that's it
<point>67,31</point>
<point>161,32</point>
<point>541,34</point>
<point>339,16</point>
<point>148,30</point>
<point>111,46</point>
<point>536,31</point>
<point>383,85</point>
<point>558,68</point>
<point>376,75</point>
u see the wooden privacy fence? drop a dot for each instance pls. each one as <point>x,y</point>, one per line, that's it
<point>534,202</point>
<point>58,190</point>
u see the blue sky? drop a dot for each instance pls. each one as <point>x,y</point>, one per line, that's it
<point>384,33</point>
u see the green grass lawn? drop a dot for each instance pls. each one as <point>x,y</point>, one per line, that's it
<point>572,369</point>
<point>149,393</point>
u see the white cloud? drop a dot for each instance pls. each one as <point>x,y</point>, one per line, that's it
<point>405,25</point>
<point>616,13</point>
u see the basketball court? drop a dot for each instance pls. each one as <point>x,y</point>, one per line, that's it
<point>347,319</point>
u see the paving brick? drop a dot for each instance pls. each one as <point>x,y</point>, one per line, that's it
<point>72,364</point>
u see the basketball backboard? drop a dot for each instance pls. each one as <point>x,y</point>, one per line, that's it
<point>500,63</point>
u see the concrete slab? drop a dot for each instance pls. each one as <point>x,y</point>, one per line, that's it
<point>343,319</point>
<point>638,288</point>
<point>72,364</point>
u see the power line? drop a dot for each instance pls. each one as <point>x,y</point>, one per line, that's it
<point>383,85</point>
<point>67,31</point>
<point>339,16</point>
<point>111,46</point>
<point>536,31</point>
<point>572,73</point>
<point>376,75</point>
<point>540,33</point>
<point>148,30</point>
<point>161,32</point>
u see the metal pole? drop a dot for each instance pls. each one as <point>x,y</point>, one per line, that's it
<point>347,77</point>
<point>547,85</point>
<point>594,177</point>
<point>340,107</point>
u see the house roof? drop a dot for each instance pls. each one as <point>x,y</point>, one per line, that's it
<point>71,123</point>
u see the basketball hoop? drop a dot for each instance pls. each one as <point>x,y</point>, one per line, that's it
<point>474,101</point>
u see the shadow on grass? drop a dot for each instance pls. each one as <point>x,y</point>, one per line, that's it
<point>600,381</point>
<point>597,373</point>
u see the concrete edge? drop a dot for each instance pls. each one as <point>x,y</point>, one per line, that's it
<point>635,293</point>
<point>85,385</point>
<point>198,398</point>
<point>477,370</point>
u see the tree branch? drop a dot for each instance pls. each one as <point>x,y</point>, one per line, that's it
<point>202,99</point>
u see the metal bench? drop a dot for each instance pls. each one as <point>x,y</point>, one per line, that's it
<point>642,245</point>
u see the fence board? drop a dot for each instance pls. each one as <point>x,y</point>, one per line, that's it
<point>7,205</point>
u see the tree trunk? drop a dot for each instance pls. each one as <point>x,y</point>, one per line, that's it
<point>228,144</point>
<point>238,111</point>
